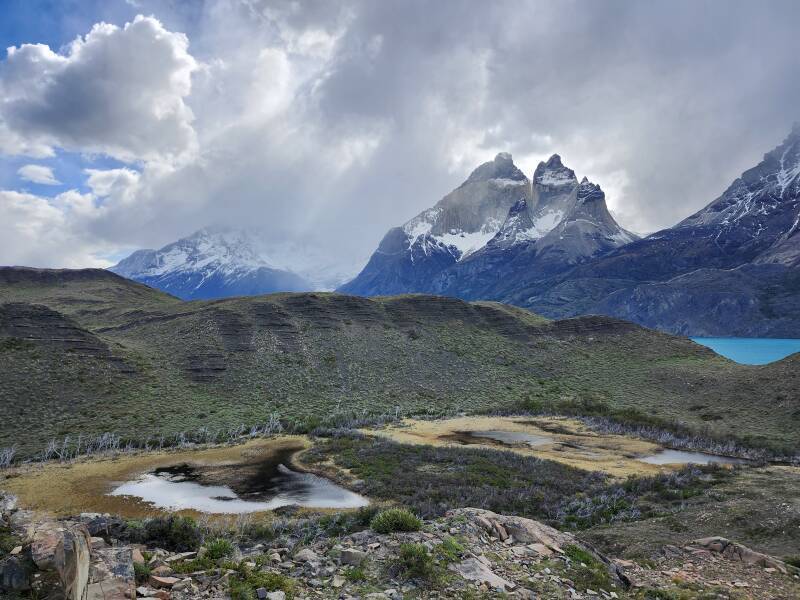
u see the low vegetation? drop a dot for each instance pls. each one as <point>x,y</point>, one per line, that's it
<point>172,532</point>
<point>395,519</point>
<point>248,365</point>
<point>433,480</point>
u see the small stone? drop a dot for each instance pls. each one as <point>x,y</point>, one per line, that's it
<point>261,593</point>
<point>352,557</point>
<point>163,571</point>
<point>137,556</point>
<point>279,595</point>
<point>338,581</point>
<point>18,549</point>
<point>275,558</point>
<point>306,555</point>
<point>163,582</point>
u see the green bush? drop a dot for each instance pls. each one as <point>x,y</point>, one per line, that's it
<point>244,585</point>
<point>142,572</point>
<point>395,519</point>
<point>218,548</point>
<point>449,550</point>
<point>792,560</point>
<point>175,533</point>
<point>355,574</point>
<point>415,562</point>
<point>586,571</point>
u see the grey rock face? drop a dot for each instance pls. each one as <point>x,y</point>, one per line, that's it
<point>486,229</point>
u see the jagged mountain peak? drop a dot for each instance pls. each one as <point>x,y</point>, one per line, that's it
<point>590,192</point>
<point>553,173</point>
<point>501,168</point>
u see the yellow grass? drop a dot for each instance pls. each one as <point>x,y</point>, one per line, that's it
<point>573,443</point>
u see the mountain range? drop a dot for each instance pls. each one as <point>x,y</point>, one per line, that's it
<point>550,245</point>
<point>218,262</point>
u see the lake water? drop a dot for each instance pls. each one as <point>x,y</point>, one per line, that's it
<point>751,351</point>
<point>181,487</point>
<point>671,457</point>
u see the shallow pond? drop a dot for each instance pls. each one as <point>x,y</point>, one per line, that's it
<point>237,489</point>
<point>671,457</point>
<point>504,437</point>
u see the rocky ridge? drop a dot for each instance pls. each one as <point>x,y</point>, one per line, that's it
<point>469,551</point>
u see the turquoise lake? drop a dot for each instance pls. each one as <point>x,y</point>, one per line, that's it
<point>751,351</point>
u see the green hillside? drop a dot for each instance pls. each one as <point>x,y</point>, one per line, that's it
<point>85,352</point>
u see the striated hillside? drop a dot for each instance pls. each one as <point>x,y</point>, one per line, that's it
<point>85,352</point>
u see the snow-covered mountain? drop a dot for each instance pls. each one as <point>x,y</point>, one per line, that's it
<point>732,268</point>
<point>222,262</point>
<point>496,216</point>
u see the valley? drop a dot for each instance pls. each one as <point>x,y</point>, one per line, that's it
<point>286,426</point>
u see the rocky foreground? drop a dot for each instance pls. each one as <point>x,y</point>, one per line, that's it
<point>469,553</point>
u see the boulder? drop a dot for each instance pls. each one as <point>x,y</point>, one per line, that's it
<point>351,556</point>
<point>23,524</point>
<point>46,539</point>
<point>735,551</point>
<point>15,574</point>
<point>306,555</point>
<point>525,531</point>
<point>111,589</point>
<point>8,503</point>
<point>472,569</point>
<point>72,561</point>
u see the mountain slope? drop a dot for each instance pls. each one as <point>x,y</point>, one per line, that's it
<point>496,217</point>
<point>410,256</point>
<point>85,352</point>
<point>732,268</point>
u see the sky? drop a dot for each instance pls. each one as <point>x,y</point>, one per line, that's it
<point>128,124</point>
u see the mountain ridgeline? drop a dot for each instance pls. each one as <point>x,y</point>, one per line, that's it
<point>86,352</point>
<point>732,268</point>
<point>497,221</point>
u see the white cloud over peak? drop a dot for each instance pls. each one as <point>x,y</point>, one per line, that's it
<point>38,174</point>
<point>117,90</point>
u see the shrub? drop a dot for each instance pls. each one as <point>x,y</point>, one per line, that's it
<point>586,571</point>
<point>794,560</point>
<point>343,523</point>
<point>395,519</point>
<point>179,534</point>
<point>415,562</point>
<point>244,585</point>
<point>142,572</point>
<point>449,550</point>
<point>218,548</point>
<point>355,574</point>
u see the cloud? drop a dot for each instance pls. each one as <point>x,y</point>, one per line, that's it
<point>40,233</point>
<point>112,181</point>
<point>117,91</point>
<point>331,122</point>
<point>38,174</point>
